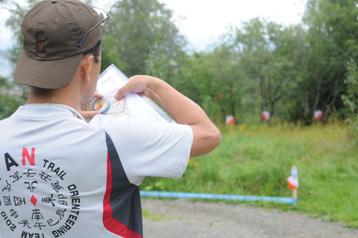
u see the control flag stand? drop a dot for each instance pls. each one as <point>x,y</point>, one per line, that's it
<point>293,183</point>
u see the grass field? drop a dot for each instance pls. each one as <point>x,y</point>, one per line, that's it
<point>256,160</point>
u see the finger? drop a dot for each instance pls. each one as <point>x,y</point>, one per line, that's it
<point>88,115</point>
<point>122,92</point>
<point>97,95</point>
<point>144,94</point>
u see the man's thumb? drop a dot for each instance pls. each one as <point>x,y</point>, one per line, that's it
<point>121,92</point>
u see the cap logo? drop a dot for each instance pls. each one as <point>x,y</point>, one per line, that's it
<point>40,42</point>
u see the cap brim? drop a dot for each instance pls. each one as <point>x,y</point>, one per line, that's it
<point>46,74</point>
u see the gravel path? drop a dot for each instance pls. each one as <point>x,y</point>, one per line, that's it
<point>179,218</point>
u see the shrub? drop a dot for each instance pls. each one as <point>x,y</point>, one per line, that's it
<point>8,104</point>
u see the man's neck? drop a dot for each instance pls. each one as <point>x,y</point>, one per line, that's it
<point>55,97</point>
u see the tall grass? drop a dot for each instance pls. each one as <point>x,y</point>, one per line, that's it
<point>256,160</point>
<point>354,131</point>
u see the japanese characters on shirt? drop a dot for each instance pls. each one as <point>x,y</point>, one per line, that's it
<point>28,216</point>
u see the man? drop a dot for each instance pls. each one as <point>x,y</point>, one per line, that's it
<point>61,176</point>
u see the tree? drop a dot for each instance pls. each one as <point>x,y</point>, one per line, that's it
<point>141,38</point>
<point>8,103</point>
<point>211,79</point>
<point>17,13</point>
<point>332,42</point>
<point>269,57</point>
<point>350,99</point>
<point>283,68</point>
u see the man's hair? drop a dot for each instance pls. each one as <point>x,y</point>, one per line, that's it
<point>95,51</point>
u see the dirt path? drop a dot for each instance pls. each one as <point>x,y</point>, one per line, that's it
<point>184,219</point>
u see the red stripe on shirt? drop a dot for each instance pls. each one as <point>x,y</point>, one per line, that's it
<point>109,222</point>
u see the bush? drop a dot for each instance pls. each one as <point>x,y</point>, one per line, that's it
<point>354,131</point>
<point>212,108</point>
<point>8,104</point>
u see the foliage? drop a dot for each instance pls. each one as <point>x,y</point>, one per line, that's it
<point>141,38</point>
<point>17,13</point>
<point>211,79</point>
<point>332,42</point>
<point>271,58</point>
<point>8,103</point>
<point>350,99</point>
<point>354,131</point>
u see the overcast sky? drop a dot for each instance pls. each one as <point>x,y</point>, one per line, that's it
<point>202,22</point>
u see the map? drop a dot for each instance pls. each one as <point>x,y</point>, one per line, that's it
<point>133,105</point>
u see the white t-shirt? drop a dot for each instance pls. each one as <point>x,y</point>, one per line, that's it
<point>63,177</point>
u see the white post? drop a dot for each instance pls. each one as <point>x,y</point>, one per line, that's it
<point>293,183</point>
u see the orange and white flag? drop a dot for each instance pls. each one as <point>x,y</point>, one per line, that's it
<point>293,179</point>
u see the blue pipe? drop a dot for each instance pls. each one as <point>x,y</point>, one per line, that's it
<point>230,197</point>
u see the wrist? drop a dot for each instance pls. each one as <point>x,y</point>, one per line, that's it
<point>154,84</point>
<point>156,88</point>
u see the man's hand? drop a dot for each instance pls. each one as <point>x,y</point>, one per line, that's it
<point>137,84</point>
<point>206,136</point>
<point>88,113</point>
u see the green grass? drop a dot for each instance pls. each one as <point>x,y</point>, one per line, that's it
<point>256,160</point>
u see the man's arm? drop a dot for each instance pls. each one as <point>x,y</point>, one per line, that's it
<point>206,136</point>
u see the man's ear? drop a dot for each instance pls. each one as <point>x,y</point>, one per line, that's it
<point>86,66</point>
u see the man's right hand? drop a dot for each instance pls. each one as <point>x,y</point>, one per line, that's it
<point>206,136</point>
<point>137,84</point>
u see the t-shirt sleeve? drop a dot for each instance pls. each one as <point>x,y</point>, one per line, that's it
<point>146,148</point>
